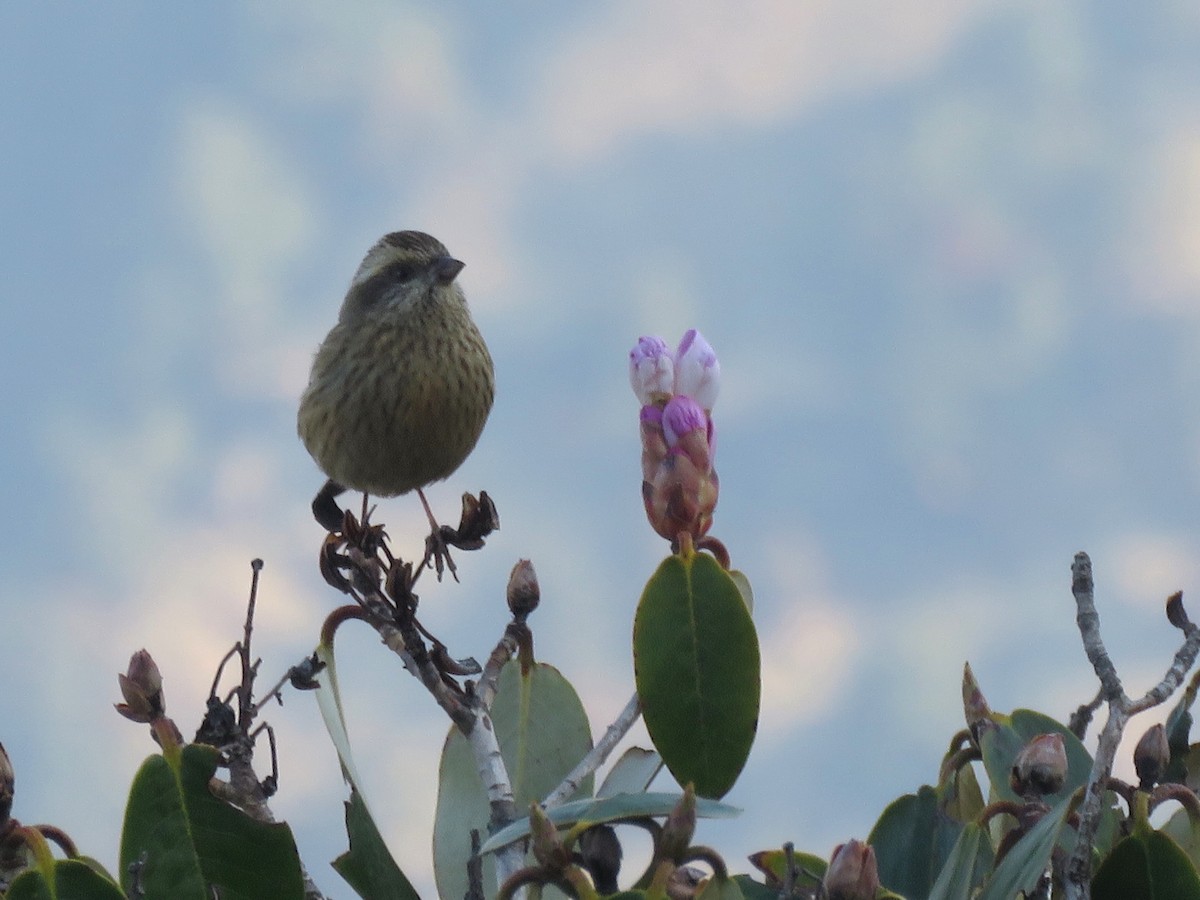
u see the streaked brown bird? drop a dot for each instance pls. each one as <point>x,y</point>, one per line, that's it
<point>403,383</point>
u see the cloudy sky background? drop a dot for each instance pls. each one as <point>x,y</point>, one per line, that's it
<point>948,253</point>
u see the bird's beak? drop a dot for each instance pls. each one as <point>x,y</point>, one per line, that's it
<point>446,269</point>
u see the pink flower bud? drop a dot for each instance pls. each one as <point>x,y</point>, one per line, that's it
<point>651,370</point>
<point>679,485</point>
<point>683,415</point>
<point>680,498</point>
<point>697,372</point>
<point>654,442</point>
<point>688,430</point>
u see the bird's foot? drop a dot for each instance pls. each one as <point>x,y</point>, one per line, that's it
<point>479,519</point>
<point>437,551</point>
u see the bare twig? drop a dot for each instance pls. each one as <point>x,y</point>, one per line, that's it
<point>506,648</point>
<point>1120,709</point>
<point>244,788</point>
<point>598,754</point>
<point>1082,717</point>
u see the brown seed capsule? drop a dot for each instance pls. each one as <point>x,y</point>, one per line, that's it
<point>1041,767</point>
<point>1151,756</point>
<point>523,593</point>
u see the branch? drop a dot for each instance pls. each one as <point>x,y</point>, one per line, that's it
<point>516,634</point>
<point>597,755</point>
<point>381,586</point>
<point>1120,709</point>
<point>1088,621</point>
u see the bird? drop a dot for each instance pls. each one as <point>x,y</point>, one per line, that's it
<point>402,385</point>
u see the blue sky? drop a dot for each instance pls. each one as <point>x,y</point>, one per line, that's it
<point>947,253</point>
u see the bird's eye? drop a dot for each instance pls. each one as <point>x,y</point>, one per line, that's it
<point>382,284</point>
<point>401,270</point>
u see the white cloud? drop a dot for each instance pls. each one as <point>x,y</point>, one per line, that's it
<point>120,474</point>
<point>950,362</point>
<point>254,220</point>
<point>809,637</point>
<point>684,66</point>
<point>1163,238</point>
<point>398,65</point>
<point>1146,567</point>
<point>247,199</point>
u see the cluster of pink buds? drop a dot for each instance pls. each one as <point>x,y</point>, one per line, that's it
<point>677,391</point>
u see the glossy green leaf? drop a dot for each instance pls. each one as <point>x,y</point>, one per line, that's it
<point>696,662</point>
<point>610,809</point>
<point>187,843</point>
<point>1024,864</point>
<point>1188,767</point>
<point>743,586</point>
<point>1148,866</point>
<point>755,890</point>
<point>1181,830</point>
<point>29,885</point>
<point>73,879</point>
<point>960,795</point>
<point>368,866</point>
<point>632,773</point>
<point>912,840</point>
<point>368,862</point>
<point>543,732</point>
<point>329,700</point>
<point>1178,727</point>
<point>965,867</point>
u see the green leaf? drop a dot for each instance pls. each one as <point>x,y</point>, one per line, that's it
<point>368,863</point>
<point>912,840</point>
<point>1148,866</point>
<point>609,809</point>
<point>755,890</point>
<point>696,663</point>
<point>368,866</point>
<point>543,732</point>
<point>73,879</point>
<point>1024,864</point>
<point>29,885</point>
<point>186,843</point>
<point>1178,727</point>
<point>632,773</point>
<point>744,588</point>
<point>961,796</point>
<point>1179,827</point>
<point>966,866</point>
<point>329,700</point>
